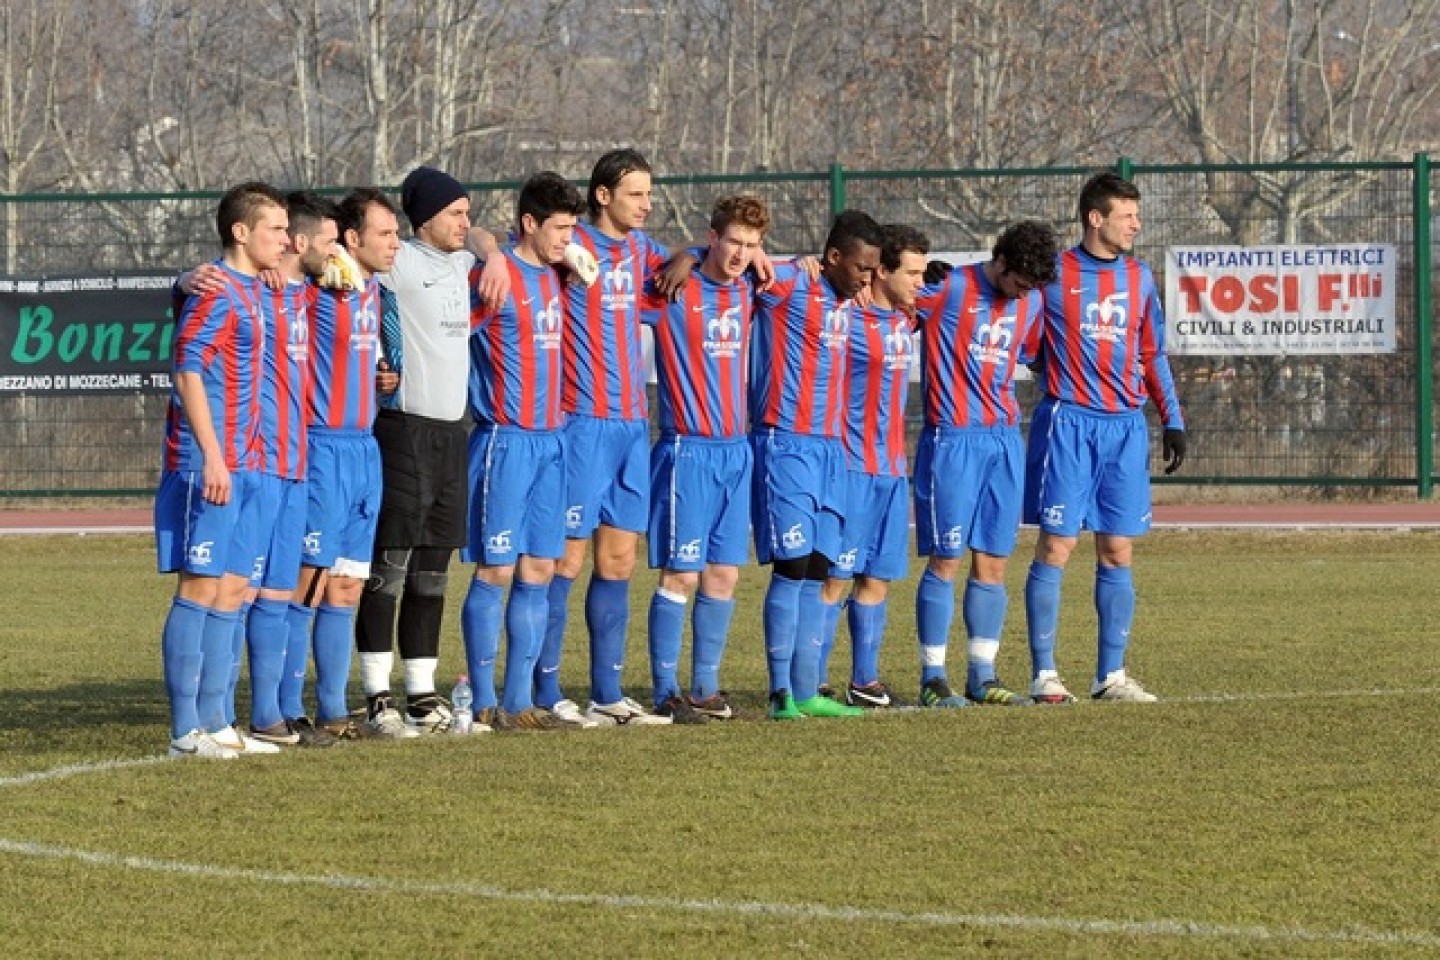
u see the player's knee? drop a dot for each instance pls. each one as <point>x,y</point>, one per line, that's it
<point>427,583</point>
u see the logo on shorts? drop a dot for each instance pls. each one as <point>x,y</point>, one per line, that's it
<point>1053,516</point>
<point>258,570</point>
<point>836,331</point>
<point>793,538</point>
<point>992,340</point>
<point>722,334</point>
<point>499,542</point>
<point>846,560</point>
<point>546,322</point>
<point>954,538</point>
<point>201,553</point>
<point>573,517</point>
<point>688,552</point>
<point>1106,321</point>
<point>312,543</point>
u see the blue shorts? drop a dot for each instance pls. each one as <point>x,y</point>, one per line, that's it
<point>193,535</point>
<point>343,502</point>
<point>700,507</point>
<point>967,490</point>
<point>517,495</point>
<point>799,499</point>
<point>1087,471</point>
<point>876,531</point>
<point>283,504</point>
<point>607,475</point>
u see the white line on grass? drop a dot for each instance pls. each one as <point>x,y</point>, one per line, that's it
<point>785,911</point>
<point>77,770</point>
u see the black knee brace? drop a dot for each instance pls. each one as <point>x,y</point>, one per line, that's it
<point>429,572</point>
<point>387,573</point>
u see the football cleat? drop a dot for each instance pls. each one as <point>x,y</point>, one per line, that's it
<point>429,713</point>
<point>1118,687</point>
<point>716,706</point>
<point>487,720</point>
<point>244,746</point>
<point>281,734</point>
<point>309,734</point>
<point>874,695</point>
<point>993,693</point>
<point>201,745</point>
<point>821,706</point>
<point>624,712</point>
<point>680,710</point>
<point>1048,688</point>
<point>569,711</point>
<point>383,721</point>
<point>782,706</point>
<point>342,728</point>
<point>531,719</point>
<point>936,693</point>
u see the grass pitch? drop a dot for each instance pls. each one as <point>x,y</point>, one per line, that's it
<point>1279,802</point>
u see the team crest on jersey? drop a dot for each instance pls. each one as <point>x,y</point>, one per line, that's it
<point>1106,321</point>
<point>365,334</point>
<point>617,286</point>
<point>846,560</point>
<point>201,554</point>
<point>547,325</point>
<point>992,340</point>
<point>688,552</point>
<point>899,348</point>
<point>836,329</point>
<point>722,334</point>
<point>297,344</point>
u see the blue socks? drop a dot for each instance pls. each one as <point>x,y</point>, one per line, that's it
<point>666,635</point>
<point>237,657</point>
<point>547,668</point>
<point>1115,609</point>
<point>827,638</point>
<point>217,640</point>
<point>299,619</point>
<point>934,611</point>
<point>180,656</point>
<point>334,639</point>
<point>984,608</point>
<point>525,616</point>
<point>867,629</point>
<point>607,617</point>
<point>267,631</point>
<point>780,618</point>
<point>480,626</point>
<point>1042,614</point>
<point>805,663</point>
<point>710,628</point>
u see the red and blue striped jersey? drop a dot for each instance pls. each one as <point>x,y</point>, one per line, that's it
<point>1104,343</point>
<point>285,397</point>
<point>702,339</point>
<point>797,371</point>
<point>516,350</point>
<point>880,352</point>
<point>344,349</point>
<point>604,363</point>
<point>971,338</point>
<point>221,337</point>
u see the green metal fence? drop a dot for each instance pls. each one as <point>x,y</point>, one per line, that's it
<point>1314,421</point>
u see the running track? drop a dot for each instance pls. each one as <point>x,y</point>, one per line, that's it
<point>1415,514</point>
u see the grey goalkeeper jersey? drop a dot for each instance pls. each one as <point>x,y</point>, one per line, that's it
<point>432,292</point>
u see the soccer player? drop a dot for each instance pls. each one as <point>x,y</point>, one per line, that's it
<point>700,468</point>
<point>344,460</point>
<point>1087,465</point>
<point>797,415</point>
<point>976,323</point>
<point>422,433</point>
<point>875,535</point>
<point>206,509</point>
<point>517,458</point>
<point>607,438</point>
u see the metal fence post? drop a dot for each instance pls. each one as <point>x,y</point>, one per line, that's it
<point>837,189</point>
<point>1126,168</point>
<point>1424,374</point>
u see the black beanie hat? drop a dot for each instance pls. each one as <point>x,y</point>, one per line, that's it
<point>427,191</point>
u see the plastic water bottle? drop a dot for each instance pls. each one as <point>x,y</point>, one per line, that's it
<point>462,700</point>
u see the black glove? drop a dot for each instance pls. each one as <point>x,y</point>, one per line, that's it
<point>936,271</point>
<point>1172,448</point>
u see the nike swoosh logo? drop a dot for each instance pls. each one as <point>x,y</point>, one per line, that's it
<point>549,669</point>
<point>1076,290</point>
<point>525,302</point>
<point>429,283</point>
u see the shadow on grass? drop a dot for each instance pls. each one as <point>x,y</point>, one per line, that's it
<point>55,715</point>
